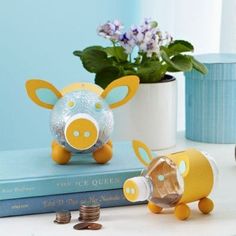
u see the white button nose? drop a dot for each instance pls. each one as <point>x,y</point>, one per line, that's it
<point>76,133</point>
<point>86,134</point>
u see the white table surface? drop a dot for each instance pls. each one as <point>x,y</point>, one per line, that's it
<point>136,220</point>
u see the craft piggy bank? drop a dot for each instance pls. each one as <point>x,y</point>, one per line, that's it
<point>173,181</point>
<point>81,117</point>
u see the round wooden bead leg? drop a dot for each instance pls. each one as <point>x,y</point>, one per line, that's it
<point>154,208</point>
<point>59,154</point>
<point>103,154</point>
<point>205,205</point>
<point>182,211</point>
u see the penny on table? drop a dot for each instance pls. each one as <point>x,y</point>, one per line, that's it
<point>94,226</point>
<point>81,226</point>
<point>87,226</point>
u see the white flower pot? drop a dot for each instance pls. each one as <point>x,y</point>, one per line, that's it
<point>150,116</point>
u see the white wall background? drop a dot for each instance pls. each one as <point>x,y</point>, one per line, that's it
<point>198,21</point>
<point>228,27</point>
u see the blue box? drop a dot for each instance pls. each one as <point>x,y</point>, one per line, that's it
<point>211,100</point>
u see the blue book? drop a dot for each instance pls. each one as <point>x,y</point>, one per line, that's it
<point>72,201</point>
<point>29,173</point>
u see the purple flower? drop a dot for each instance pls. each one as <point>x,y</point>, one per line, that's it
<point>150,43</point>
<point>167,39</point>
<point>127,42</point>
<point>150,47</point>
<point>110,30</point>
<point>137,34</point>
<point>147,36</point>
<point>148,25</point>
<point>150,38</point>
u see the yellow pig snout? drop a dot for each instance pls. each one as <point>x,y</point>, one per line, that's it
<point>81,131</point>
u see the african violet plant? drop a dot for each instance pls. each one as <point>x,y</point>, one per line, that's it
<point>156,54</point>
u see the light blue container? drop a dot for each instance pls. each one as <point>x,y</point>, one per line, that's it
<point>211,100</point>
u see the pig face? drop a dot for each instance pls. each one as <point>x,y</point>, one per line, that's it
<point>82,120</point>
<point>167,181</point>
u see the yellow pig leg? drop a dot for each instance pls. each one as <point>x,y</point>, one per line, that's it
<point>103,154</point>
<point>59,154</point>
<point>154,208</point>
<point>205,205</point>
<point>182,211</point>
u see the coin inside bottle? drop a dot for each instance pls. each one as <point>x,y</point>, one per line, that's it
<point>167,182</point>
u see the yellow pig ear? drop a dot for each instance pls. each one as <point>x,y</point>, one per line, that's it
<point>120,91</point>
<point>42,93</point>
<point>142,152</point>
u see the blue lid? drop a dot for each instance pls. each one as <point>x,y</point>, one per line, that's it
<point>216,58</point>
<point>221,66</point>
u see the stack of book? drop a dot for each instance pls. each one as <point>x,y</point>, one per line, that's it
<point>30,182</point>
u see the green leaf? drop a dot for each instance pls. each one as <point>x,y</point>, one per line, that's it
<point>117,52</point>
<point>78,53</point>
<point>107,75</point>
<point>153,24</point>
<point>171,69</point>
<point>179,46</point>
<point>181,62</point>
<point>130,72</point>
<point>178,62</point>
<point>94,59</point>
<point>198,66</point>
<point>94,47</point>
<point>151,72</point>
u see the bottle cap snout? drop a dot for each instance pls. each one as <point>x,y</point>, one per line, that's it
<point>136,189</point>
<point>81,131</point>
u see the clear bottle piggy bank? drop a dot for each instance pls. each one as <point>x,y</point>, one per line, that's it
<point>81,115</point>
<point>173,181</point>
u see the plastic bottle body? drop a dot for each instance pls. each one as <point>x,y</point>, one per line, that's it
<point>167,182</point>
<point>161,184</point>
<point>180,177</point>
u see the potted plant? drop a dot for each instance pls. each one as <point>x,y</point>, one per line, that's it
<point>151,54</point>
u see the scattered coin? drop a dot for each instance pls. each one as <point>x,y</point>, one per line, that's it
<point>94,226</point>
<point>81,226</point>
<point>88,226</point>
<point>62,217</point>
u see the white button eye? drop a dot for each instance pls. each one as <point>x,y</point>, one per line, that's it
<point>87,134</point>
<point>161,177</point>
<point>98,106</point>
<point>70,104</point>
<point>182,167</point>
